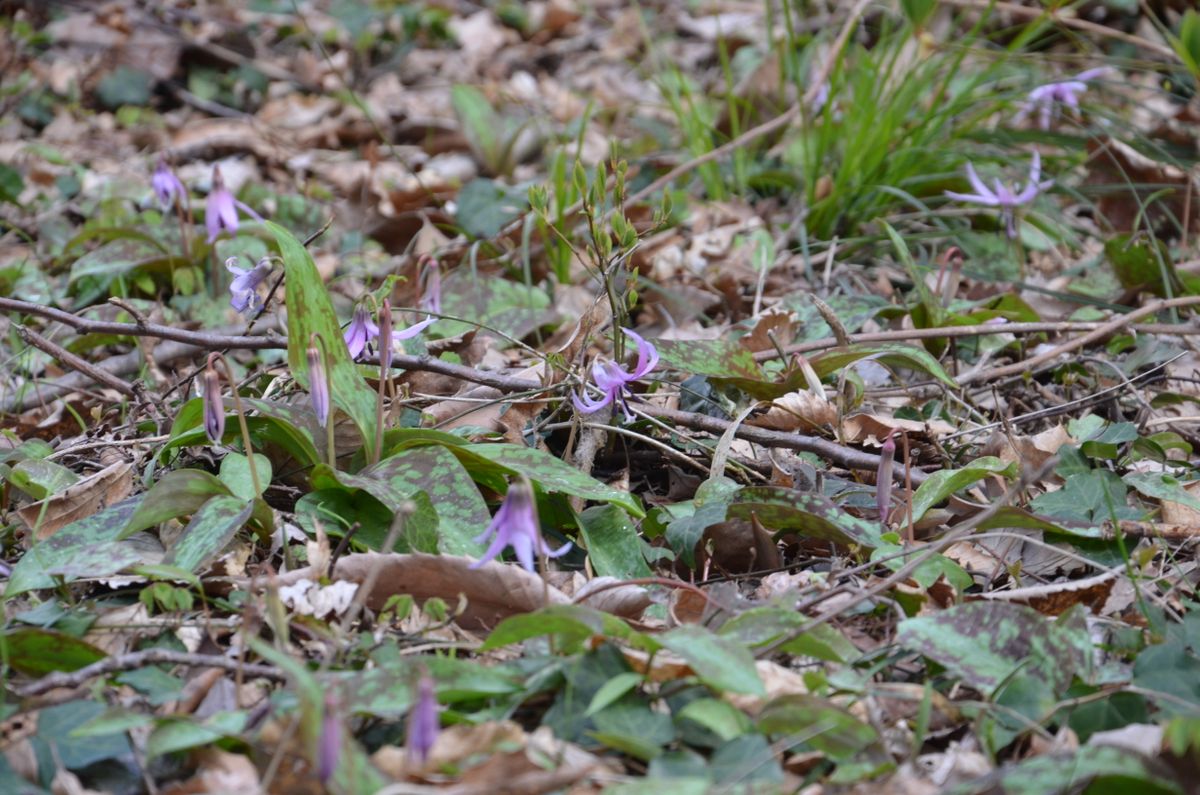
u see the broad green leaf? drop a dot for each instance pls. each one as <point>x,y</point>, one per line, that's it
<point>89,547</point>
<point>1173,669</point>
<point>37,652</point>
<point>552,474</point>
<point>311,312</point>
<point>486,206</point>
<point>612,543</point>
<point>759,626</point>
<point>235,474</point>
<point>54,725</point>
<point>40,479</point>
<point>822,725</point>
<point>509,307</point>
<point>719,662</point>
<point>1161,486</point>
<point>712,358</point>
<point>291,429</point>
<point>928,571</point>
<point>709,507</point>
<point>719,717</point>
<point>462,513</point>
<point>178,493</point>
<point>612,690</point>
<point>892,354</point>
<point>807,514</point>
<point>984,643</point>
<point>570,624</point>
<point>212,527</point>
<point>630,726</point>
<point>180,734</point>
<point>941,484</point>
<point>1092,769</point>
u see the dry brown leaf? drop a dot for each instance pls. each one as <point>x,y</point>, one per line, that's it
<point>1177,513</point>
<point>626,601</point>
<point>494,591</point>
<point>797,411</point>
<point>1056,598</point>
<point>219,771</point>
<point>90,495</point>
<point>1031,451</point>
<point>871,429</point>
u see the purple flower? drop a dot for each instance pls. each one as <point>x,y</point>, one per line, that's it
<point>220,212</point>
<point>329,744</point>
<point>883,478</point>
<point>614,380</point>
<point>362,331</point>
<point>431,287</point>
<point>166,185</point>
<point>1007,199</point>
<point>1045,100</point>
<point>516,525</point>
<point>243,290</point>
<point>318,385</point>
<point>214,407</point>
<point>423,722</point>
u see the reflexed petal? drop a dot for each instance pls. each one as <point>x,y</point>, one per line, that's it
<point>413,330</point>
<point>977,183</point>
<point>609,376</point>
<point>647,355</point>
<point>990,201</point>
<point>587,405</point>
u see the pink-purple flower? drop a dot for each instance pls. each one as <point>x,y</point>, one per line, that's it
<point>516,525</point>
<point>220,211</point>
<point>613,380</point>
<point>243,290</point>
<point>318,384</point>
<point>1005,198</point>
<point>423,722</point>
<point>329,743</point>
<point>363,331</point>
<point>1047,100</point>
<point>166,185</point>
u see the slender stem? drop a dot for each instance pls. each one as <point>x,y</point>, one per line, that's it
<point>241,413</point>
<point>330,448</point>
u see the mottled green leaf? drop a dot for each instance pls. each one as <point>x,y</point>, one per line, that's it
<point>39,478</point>
<point>941,484</point>
<point>1098,769</point>
<point>807,514</point>
<point>178,493</point>
<point>712,358</point>
<point>212,527</point>
<point>509,307</point>
<point>569,624</point>
<point>824,726</point>
<point>291,429</point>
<point>719,662</point>
<point>552,474</point>
<point>759,626</point>
<point>311,312</point>
<point>236,475</point>
<point>984,643</point>
<point>87,547</point>
<point>54,725</point>
<point>36,652</point>
<point>1161,486</point>
<point>894,355</point>
<point>612,543</point>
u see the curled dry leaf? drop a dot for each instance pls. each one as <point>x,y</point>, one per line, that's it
<point>626,601</point>
<point>1031,451</point>
<point>797,411</point>
<point>493,592</point>
<point>1056,598</point>
<point>871,429</point>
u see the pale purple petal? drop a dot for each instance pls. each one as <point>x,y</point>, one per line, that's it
<point>609,376</point>
<point>587,405</point>
<point>990,201</point>
<point>360,332</point>
<point>166,185</point>
<point>647,356</point>
<point>423,722</point>
<point>318,385</point>
<point>413,330</point>
<point>980,189</point>
<point>883,478</point>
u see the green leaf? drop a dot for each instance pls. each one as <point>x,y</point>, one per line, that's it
<point>984,643</point>
<point>507,306</point>
<point>1093,769</point>
<point>485,207</point>
<point>180,734</point>
<point>708,508</point>
<point>311,312</point>
<point>291,428</point>
<point>1161,486</point>
<point>11,184</point>
<point>1172,669</point>
<point>807,514</point>
<point>89,547</point>
<point>759,626</point>
<point>124,86</point>
<point>719,717</point>
<point>552,474</point>
<point>461,512</point>
<point>54,725</point>
<point>612,690</point>
<point>719,662</point>
<point>822,725</point>
<point>37,652</point>
<point>178,493</point>
<point>612,543</point>
<point>712,358</point>
<point>235,474</point>
<point>40,479</point>
<point>571,625</point>
<point>212,527</point>
<point>891,354</point>
<point>940,485</point>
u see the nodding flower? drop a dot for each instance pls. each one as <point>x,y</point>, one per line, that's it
<point>243,290</point>
<point>883,478</point>
<point>220,211</point>
<point>423,722</point>
<point>214,406</point>
<point>318,384</point>
<point>363,331</point>
<point>613,380</point>
<point>329,743</point>
<point>1005,198</point>
<point>166,185</point>
<point>1048,100</point>
<point>516,525</point>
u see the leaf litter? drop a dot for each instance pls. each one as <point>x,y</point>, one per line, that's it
<point>741,397</point>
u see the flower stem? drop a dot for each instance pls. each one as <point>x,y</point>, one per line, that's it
<point>237,403</point>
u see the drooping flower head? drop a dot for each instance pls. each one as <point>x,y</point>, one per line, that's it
<point>423,722</point>
<point>883,478</point>
<point>1006,198</point>
<point>431,286</point>
<point>214,407</point>
<point>166,185</point>
<point>516,525</point>
<point>220,211</point>
<point>613,380</point>
<point>1047,100</point>
<point>318,383</point>
<point>243,290</point>
<point>363,331</point>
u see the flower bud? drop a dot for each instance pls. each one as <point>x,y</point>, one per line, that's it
<point>883,478</point>
<point>214,407</point>
<point>318,384</point>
